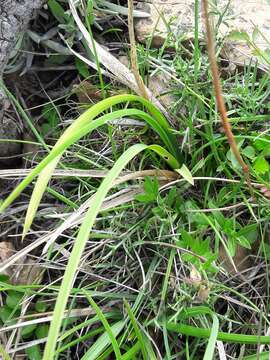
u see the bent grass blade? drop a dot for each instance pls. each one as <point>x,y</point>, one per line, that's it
<point>47,166</point>
<point>79,245</point>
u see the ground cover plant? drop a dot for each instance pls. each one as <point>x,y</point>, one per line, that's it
<point>149,243</point>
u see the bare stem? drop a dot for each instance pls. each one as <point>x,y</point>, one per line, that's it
<point>133,52</point>
<point>218,93</point>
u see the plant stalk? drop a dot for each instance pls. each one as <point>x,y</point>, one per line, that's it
<point>219,97</point>
<point>133,52</point>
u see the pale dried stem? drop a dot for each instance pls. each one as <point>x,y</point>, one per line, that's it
<point>133,52</point>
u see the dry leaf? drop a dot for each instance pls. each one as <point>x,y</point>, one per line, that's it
<point>241,260</point>
<point>24,273</point>
<point>203,293</point>
<point>265,191</point>
<point>195,277</point>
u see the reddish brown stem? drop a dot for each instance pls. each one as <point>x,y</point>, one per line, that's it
<point>218,93</point>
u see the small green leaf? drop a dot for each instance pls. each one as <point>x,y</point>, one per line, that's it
<point>145,198</point>
<point>82,68</point>
<point>187,238</point>
<point>151,186</point>
<point>33,353</point>
<point>5,313</point>
<point>261,166</point>
<point>184,171</point>
<point>266,151</point>
<point>250,232</point>
<point>231,246</point>
<point>260,144</point>
<point>58,59</point>
<point>4,278</point>
<point>49,112</point>
<point>236,35</point>
<point>244,242</point>
<point>28,330</point>
<point>45,129</point>
<point>42,331</point>
<point>40,306</point>
<point>249,152</point>
<point>13,299</point>
<point>90,12</point>
<point>57,11</point>
<point>230,155</point>
<point>171,197</point>
<point>151,191</point>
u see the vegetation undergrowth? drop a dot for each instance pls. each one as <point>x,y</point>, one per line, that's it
<point>167,256</point>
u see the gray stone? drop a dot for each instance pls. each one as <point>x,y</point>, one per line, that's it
<point>8,150</point>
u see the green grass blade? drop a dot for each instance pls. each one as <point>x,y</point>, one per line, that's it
<point>70,332</point>
<point>102,342</point>
<point>210,349</point>
<point>106,325</point>
<point>136,329</point>
<point>45,175</point>
<point>226,337</point>
<point>163,299</point>
<point>4,354</point>
<point>130,354</point>
<point>24,115</point>
<point>78,340</point>
<point>149,348</point>
<point>83,235</point>
<point>170,159</point>
<point>159,124</point>
<point>38,192</point>
<point>79,245</point>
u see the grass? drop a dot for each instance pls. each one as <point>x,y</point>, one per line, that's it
<point>132,257</point>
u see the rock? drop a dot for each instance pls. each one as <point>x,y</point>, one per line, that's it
<point>10,149</point>
<point>14,18</point>
<point>29,149</point>
<point>160,85</point>
<point>25,273</point>
<point>240,15</point>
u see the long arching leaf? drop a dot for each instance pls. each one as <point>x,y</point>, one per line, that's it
<point>79,245</point>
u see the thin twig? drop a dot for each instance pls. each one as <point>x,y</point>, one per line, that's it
<point>133,52</point>
<point>219,97</point>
